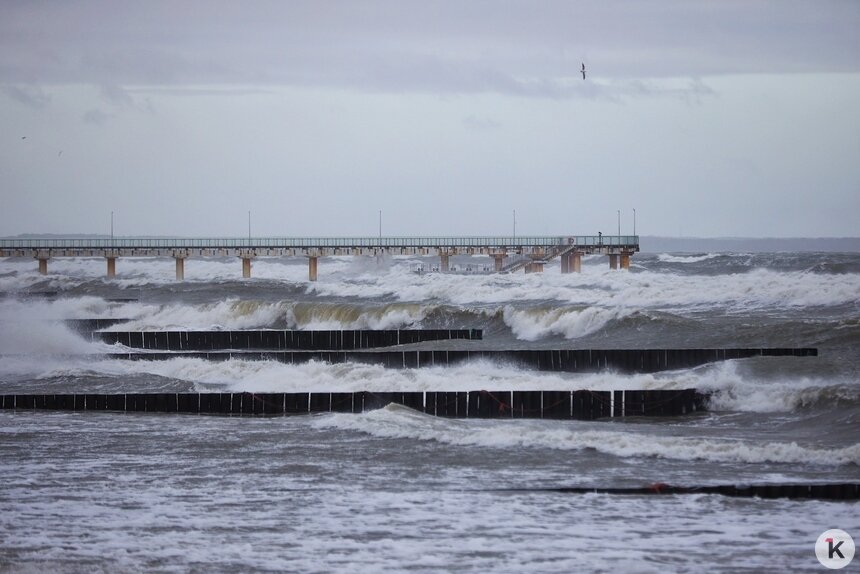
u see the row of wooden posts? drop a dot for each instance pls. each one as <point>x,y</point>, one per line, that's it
<point>580,404</point>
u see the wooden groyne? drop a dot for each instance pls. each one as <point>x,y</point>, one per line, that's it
<point>830,491</point>
<point>333,340</point>
<point>566,360</point>
<point>89,325</point>
<point>562,405</point>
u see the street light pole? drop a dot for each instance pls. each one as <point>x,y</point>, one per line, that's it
<point>249,227</point>
<point>634,221</point>
<point>515,224</point>
<point>619,223</point>
<point>111,228</point>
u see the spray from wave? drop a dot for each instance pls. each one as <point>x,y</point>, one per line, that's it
<point>531,324</point>
<point>730,390</point>
<point>36,328</point>
<point>667,258</point>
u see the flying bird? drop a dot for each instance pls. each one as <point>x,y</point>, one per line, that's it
<point>583,70</point>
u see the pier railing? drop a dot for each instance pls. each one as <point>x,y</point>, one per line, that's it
<point>318,242</point>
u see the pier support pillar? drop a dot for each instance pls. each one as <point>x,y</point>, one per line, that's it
<point>571,262</point>
<point>111,266</point>
<point>534,267</point>
<point>180,268</point>
<point>443,263</point>
<point>613,261</point>
<point>625,261</point>
<point>43,266</point>
<point>500,261</point>
<point>246,267</point>
<point>312,268</point>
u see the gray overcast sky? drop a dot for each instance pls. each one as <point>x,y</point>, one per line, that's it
<point>709,118</point>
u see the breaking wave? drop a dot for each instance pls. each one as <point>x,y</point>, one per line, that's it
<point>396,421</point>
<point>667,258</point>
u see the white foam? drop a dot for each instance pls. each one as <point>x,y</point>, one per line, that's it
<point>531,324</point>
<point>597,286</point>
<point>36,327</point>
<point>323,316</point>
<point>667,258</point>
<point>232,313</point>
<point>163,495</point>
<point>730,390</point>
<point>601,287</point>
<point>399,422</point>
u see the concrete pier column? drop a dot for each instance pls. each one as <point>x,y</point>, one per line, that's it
<point>312,268</point>
<point>500,261</point>
<point>111,266</point>
<point>625,261</point>
<point>571,262</point>
<point>534,267</point>
<point>576,262</point>
<point>613,261</point>
<point>180,268</point>
<point>443,263</point>
<point>246,267</point>
<point>43,266</point>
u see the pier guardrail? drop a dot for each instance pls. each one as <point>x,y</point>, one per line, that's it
<point>509,242</point>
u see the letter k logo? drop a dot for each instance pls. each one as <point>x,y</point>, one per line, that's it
<point>831,549</point>
<point>835,549</point>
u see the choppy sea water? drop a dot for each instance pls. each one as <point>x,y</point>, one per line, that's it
<point>394,490</point>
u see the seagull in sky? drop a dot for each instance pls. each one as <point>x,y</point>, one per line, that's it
<point>583,70</point>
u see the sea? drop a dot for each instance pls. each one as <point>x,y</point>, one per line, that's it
<point>394,490</point>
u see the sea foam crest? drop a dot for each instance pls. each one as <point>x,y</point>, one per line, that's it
<point>668,258</point>
<point>531,324</point>
<point>396,421</point>
<point>596,286</point>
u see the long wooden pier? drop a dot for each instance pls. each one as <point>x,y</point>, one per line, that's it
<point>537,250</point>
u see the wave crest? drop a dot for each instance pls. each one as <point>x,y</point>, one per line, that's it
<point>396,421</point>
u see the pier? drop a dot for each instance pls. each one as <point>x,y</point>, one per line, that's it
<point>509,254</point>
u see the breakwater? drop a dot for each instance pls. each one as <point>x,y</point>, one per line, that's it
<point>578,405</point>
<point>335,340</point>
<point>565,360</point>
<point>824,491</point>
